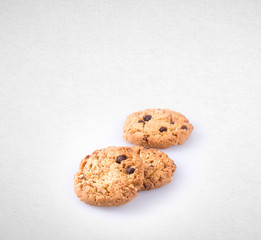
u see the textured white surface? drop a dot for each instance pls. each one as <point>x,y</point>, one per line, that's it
<point>70,73</point>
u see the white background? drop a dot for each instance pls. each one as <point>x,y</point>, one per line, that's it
<point>71,71</point>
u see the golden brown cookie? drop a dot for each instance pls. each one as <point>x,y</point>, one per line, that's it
<point>158,167</point>
<point>158,128</point>
<point>109,177</point>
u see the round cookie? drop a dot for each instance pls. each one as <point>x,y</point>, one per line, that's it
<point>158,168</point>
<point>109,177</point>
<point>158,128</point>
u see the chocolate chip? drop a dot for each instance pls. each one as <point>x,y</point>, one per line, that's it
<point>140,121</point>
<point>171,122</point>
<point>184,127</point>
<point>147,118</point>
<point>121,158</point>
<point>151,165</point>
<point>163,129</point>
<point>145,138</point>
<point>130,170</point>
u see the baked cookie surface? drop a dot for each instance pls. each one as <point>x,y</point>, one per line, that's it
<point>158,167</point>
<point>157,128</point>
<point>109,177</point>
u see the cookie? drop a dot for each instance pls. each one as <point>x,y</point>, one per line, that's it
<point>158,167</point>
<point>157,128</point>
<point>109,177</point>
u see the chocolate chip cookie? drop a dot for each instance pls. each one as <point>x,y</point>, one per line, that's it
<point>158,128</point>
<point>158,167</point>
<point>109,177</point>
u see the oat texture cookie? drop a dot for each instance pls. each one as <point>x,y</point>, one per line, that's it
<point>157,128</point>
<point>109,177</point>
<point>158,167</point>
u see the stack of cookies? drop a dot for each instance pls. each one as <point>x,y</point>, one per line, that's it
<point>113,176</point>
